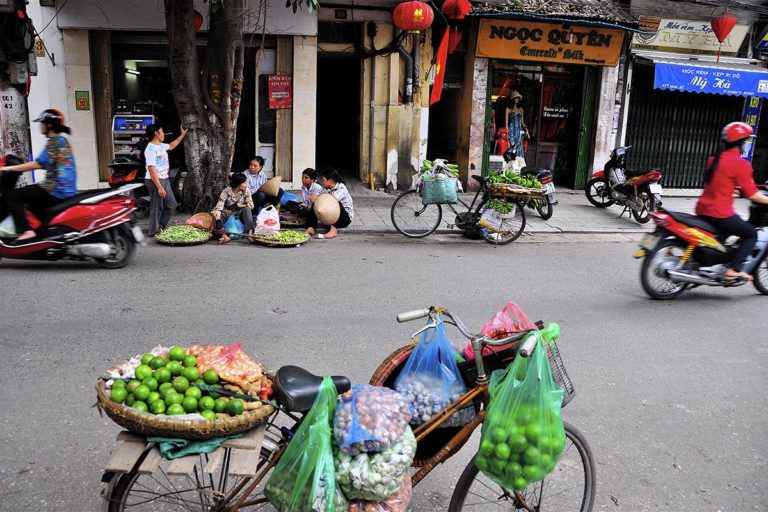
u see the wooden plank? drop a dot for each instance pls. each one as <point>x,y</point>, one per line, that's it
<point>250,441</point>
<point>125,457</point>
<point>244,462</point>
<point>214,459</point>
<point>183,466</point>
<point>131,437</point>
<point>151,462</point>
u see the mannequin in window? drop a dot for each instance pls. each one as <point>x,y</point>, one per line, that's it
<point>514,120</point>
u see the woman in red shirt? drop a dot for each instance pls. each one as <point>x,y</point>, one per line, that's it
<point>726,172</point>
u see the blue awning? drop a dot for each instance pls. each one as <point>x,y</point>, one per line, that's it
<point>711,77</point>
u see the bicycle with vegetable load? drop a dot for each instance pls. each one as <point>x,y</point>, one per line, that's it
<point>217,481</point>
<point>497,218</point>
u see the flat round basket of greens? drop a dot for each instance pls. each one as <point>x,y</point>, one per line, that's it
<point>182,235</point>
<point>287,238</point>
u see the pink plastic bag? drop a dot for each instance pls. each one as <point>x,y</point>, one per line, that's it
<point>506,322</point>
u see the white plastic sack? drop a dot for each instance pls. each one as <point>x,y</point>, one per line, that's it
<point>268,221</point>
<point>491,220</point>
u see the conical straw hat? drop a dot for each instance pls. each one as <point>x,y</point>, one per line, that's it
<point>327,209</point>
<point>271,187</point>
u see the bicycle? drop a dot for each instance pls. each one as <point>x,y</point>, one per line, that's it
<point>412,218</point>
<point>218,482</point>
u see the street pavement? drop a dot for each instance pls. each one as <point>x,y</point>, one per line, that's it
<point>667,393</point>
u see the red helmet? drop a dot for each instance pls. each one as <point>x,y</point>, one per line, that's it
<point>734,132</point>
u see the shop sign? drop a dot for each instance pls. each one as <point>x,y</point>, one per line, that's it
<point>751,117</point>
<point>688,77</point>
<point>549,42</point>
<point>279,91</point>
<point>693,37</point>
<point>39,47</point>
<point>762,44</point>
<point>82,100</point>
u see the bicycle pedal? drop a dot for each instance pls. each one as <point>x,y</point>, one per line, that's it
<point>451,226</point>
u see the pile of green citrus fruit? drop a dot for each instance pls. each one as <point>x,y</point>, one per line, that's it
<point>166,386</point>
<point>524,449</point>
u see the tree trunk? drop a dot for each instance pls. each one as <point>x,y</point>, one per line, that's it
<point>208,99</point>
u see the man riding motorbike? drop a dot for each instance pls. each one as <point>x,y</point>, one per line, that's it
<point>726,172</point>
<point>60,178</point>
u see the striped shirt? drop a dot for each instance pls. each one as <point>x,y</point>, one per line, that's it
<point>341,194</point>
<point>314,188</point>
<point>255,181</point>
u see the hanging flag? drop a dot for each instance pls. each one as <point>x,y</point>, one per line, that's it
<point>440,61</point>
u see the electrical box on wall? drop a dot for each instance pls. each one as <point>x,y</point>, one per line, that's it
<point>17,73</point>
<point>7,5</point>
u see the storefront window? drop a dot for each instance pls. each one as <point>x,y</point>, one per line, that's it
<point>551,105</point>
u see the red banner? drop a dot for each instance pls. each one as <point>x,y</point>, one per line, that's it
<point>440,61</point>
<point>279,90</point>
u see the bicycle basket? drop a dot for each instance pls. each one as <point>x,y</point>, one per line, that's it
<point>503,358</point>
<point>440,191</point>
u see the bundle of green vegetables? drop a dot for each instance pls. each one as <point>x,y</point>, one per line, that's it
<point>182,234</point>
<point>514,178</point>
<point>427,165</point>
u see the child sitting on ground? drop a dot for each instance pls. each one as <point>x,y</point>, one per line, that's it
<point>234,200</point>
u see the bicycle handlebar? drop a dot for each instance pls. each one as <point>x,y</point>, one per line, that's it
<point>525,350</point>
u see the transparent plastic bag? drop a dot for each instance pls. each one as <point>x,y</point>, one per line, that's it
<point>398,502</point>
<point>369,418</point>
<point>304,478</point>
<point>430,379</point>
<point>510,320</point>
<point>523,435</point>
<point>376,476</point>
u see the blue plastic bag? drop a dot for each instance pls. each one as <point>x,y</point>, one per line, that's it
<point>234,225</point>
<point>288,197</point>
<point>431,380</point>
<point>369,419</point>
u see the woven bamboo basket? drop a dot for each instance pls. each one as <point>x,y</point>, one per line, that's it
<point>268,241</point>
<point>289,220</point>
<point>183,244</point>
<point>148,424</point>
<point>205,221</point>
<point>515,192</point>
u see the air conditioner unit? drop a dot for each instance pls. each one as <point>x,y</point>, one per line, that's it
<point>495,163</point>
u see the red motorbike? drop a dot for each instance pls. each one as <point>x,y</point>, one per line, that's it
<point>95,224</point>
<point>638,192</point>
<point>687,251</point>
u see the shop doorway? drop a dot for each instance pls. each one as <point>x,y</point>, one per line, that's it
<point>552,103</point>
<point>338,114</point>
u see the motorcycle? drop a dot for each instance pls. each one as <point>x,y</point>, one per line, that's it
<point>133,169</point>
<point>94,224</point>
<point>544,208</point>
<point>686,251</point>
<point>638,192</point>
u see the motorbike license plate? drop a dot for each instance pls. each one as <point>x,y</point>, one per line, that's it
<point>550,188</point>
<point>137,234</point>
<point>648,241</point>
<point>655,188</point>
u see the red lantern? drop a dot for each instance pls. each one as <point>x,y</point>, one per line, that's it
<point>456,9</point>
<point>198,21</point>
<point>413,16</point>
<point>454,38</point>
<point>722,25</point>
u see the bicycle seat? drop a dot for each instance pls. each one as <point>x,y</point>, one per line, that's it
<point>296,388</point>
<point>693,221</point>
<point>482,179</point>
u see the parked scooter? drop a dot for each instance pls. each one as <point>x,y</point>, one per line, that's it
<point>133,169</point>
<point>638,192</point>
<point>686,251</point>
<point>544,208</point>
<point>94,224</point>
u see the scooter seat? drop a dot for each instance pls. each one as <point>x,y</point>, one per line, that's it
<point>85,194</point>
<point>694,221</point>
<point>296,388</point>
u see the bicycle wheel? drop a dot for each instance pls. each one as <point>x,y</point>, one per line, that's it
<point>510,229</point>
<point>207,486</point>
<point>413,219</point>
<point>570,487</point>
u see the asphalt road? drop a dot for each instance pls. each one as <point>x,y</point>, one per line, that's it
<point>669,394</point>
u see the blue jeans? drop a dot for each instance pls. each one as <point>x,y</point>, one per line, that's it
<point>736,226</point>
